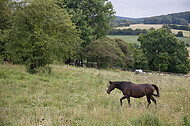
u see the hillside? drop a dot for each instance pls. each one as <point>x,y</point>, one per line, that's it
<point>182,18</point>
<point>128,18</point>
<point>77,96</point>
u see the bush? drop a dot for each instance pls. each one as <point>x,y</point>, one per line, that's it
<point>109,53</point>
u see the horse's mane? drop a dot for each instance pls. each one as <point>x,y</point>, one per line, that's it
<point>122,82</point>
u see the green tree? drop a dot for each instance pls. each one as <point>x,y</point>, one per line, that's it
<point>5,23</point>
<point>140,60</point>
<point>127,51</point>
<point>41,31</point>
<point>109,53</point>
<point>92,17</point>
<point>179,34</point>
<point>164,51</point>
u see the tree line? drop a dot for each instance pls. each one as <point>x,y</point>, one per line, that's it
<point>38,32</point>
<point>128,31</point>
<point>179,27</point>
<point>182,18</point>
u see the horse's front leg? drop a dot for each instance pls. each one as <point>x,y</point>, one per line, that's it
<point>124,97</point>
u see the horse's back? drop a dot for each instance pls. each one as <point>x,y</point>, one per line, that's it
<point>140,90</point>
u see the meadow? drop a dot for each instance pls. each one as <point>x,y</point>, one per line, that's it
<point>126,38</point>
<point>155,26</point>
<point>77,96</point>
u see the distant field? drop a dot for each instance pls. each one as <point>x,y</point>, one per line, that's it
<point>133,38</point>
<point>185,33</point>
<point>185,39</point>
<point>142,26</point>
<point>156,26</point>
<point>127,38</point>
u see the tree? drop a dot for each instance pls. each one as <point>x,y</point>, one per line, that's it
<point>164,51</point>
<point>41,31</point>
<point>5,23</point>
<point>109,53</point>
<point>92,17</point>
<point>140,60</point>
<point>179,34</point>
<point>127,51</point>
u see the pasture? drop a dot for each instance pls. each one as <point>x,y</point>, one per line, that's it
<point>77,96</point>
<point>126,38</point>
<point>133,38</point>
<point>155,26</point>
<point>142,26</point>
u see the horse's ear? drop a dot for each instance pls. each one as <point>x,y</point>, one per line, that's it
<point>110,82</point>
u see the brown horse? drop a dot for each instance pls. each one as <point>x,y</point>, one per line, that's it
<point>130,89</point>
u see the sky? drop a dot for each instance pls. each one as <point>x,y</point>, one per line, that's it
<point>148,8</point>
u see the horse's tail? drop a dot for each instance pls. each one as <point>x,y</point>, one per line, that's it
<point>156,90</point>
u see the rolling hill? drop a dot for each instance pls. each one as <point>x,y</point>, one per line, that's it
<point>182,18</point>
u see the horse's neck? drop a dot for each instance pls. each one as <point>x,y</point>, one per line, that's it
<point>120,87</point>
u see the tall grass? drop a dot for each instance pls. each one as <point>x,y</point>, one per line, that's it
<point>77,96</point>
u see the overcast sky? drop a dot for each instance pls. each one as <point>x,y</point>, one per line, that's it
<point>148,8</point>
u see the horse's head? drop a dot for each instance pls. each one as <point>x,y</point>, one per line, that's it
<point>111,87</point>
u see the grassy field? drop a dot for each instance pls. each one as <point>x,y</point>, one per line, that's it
<point>133,38</point>
<point>156,26</point>
<point>77,96</point>
<point>127,38</point>
<point>142,26</point>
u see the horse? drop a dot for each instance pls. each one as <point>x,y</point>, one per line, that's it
<point>130,89</point>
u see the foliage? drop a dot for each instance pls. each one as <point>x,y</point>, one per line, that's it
<point>5,23</point>
<point>140,60</point>
<point>92,17</point>
<point>5,14</point>
<point>40,32</point>
<point>166,19</point>
<point>179,34</point>
<point>182,18</point>
<point>127,51</point>
<point>107,52</point>
<point>128,31</point>
<point>179,27</point>
<point>121,22</point>
<point>167,27</point>
<point>164,51</point>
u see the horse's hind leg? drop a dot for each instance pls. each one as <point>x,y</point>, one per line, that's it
<point>148,99</point>
<point>154,100</point>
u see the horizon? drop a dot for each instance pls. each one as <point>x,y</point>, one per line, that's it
<point>148,8</point>
<point>150,16</point>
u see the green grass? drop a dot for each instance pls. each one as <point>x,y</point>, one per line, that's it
<point>185,39</point>
<point>133,38</point>
<point>127,38</point>
<point>77,96</point>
